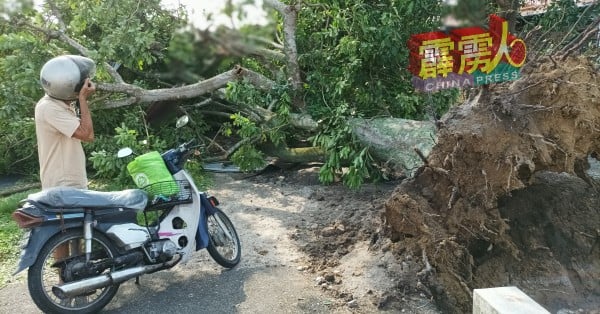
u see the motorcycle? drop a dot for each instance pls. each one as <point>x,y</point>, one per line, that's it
<point>80,245</point>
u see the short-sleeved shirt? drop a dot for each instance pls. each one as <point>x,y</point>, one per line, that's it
<point>61,156</point>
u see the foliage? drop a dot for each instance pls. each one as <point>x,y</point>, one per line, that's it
<point>132,38</point>
<point>9,235</point>
<point>562,23</point>
<point>337,139</point>
<point>248,158</point>
<point>19,151</point>
<point>202,180</point>
<point>19,91</point>
<point>147,29</point>
<point>275,130</point>
<point>561,15</point>
<point>109,166</point>
<point>355,58</point>
<point>10,7</point>
<point>472,12</point>
<point>9,232</point>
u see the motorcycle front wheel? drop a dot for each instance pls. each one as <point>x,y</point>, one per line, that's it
<point>224,245</point>
<point>61,260</point>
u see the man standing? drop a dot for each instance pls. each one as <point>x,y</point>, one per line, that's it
<point>59,126</point>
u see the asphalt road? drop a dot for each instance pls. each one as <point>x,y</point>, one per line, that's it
<point>265,281</point>
<point>201,286</point>
<point>215,290</point>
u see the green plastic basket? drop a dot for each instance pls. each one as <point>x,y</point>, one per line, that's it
<point>149,169</point>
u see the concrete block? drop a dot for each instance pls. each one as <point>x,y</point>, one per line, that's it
<point>504,300</point>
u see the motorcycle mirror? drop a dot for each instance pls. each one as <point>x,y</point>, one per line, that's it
<point>124,152</point>
<point>182,121</point>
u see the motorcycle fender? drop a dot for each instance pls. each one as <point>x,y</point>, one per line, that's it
<point>202,232</point>
<point>37,238</point>
<point>206,208</point>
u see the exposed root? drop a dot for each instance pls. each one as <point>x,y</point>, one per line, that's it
<point>421,155</point>
<point>453,197</point>
<point>462,283</point>
<point>427,268</point>
<point>488,230</point>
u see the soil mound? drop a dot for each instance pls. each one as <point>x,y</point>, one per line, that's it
<point>504,197</point>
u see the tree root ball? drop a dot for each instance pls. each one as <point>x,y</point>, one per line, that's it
<point>505,198</point>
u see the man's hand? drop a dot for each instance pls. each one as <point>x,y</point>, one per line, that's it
<point>87,89</point>
<point>85,131</point>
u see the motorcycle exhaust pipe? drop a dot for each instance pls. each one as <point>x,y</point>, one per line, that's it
<point>76,288</point>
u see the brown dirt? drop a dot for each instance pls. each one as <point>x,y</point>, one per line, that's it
<point>487,209</point>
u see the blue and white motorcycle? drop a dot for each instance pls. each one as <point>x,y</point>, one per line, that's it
<point>80,245</point>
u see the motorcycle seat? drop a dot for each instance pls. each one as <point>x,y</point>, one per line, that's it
<point>65,198</point>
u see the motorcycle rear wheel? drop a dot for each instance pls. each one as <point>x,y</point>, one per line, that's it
<point>224,245</point>
<point>48,271</point>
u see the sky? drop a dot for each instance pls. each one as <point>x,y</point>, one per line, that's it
<point>199,9</point>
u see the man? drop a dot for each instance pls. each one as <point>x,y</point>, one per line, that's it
<point>59,130</point>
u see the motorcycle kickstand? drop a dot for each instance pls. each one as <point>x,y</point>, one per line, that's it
<point>137,280</point>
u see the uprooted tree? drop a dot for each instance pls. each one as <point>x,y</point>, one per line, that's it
<point>482,210</point>
<point>290,89</point>
<point>458,213</point>
<point>505,198</point>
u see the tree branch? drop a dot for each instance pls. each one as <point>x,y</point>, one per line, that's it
<point>290,16</point>
<point>277,5</point>
<point>303,121</point>
<point>73,43</point>
<point>134,94</point>
<point>232,149</point>
<point>60,35</point>
<point>232,43</point>
<point>580,40</point>
<point>57,15</point>
<point>140,95</point>
<point>120,103</point>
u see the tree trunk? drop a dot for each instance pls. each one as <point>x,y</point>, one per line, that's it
<point>294,155</point>
<point>395,142</point>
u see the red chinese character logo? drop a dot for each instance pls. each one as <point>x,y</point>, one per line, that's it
<point>431,55</point>
<point>507,47</point>
<point>465,50</point>
<point>474,49</point>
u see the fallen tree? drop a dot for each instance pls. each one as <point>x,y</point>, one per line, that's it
<point>119,93</point>
<point>479,210</point>
<point>451,212</point>
<point>122,88</point>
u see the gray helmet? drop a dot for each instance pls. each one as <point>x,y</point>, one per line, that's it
<point>62,77</point>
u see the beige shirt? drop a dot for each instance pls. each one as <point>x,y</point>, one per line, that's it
<point>61,156</point>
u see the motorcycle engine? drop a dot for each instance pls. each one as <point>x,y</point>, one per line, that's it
<point>161,250</point>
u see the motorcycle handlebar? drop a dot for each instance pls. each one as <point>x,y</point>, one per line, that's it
<point>188,145</point>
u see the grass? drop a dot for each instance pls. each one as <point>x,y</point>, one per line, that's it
<point>10,235</point>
